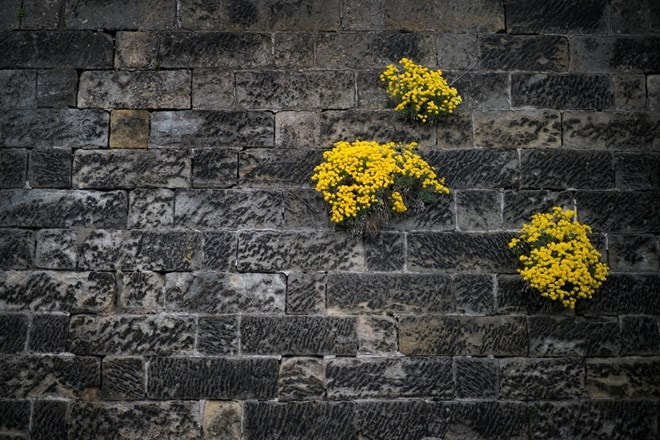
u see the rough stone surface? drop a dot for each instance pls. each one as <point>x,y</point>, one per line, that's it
<point>13,164</point>
<point>277,167</point>
<point>637,171</point>
<point>376,334</point>
<point>475,294</point>
<point>476,377</point>
<point>476,168</point>
<point>523,52</point>
<point>385,252</point>
<point>509,129</point>
<point>16,249</point>
<point>222,420</point>
<point>212,90</point>
<point>49,333</point>
<point>457,51</point>
<point>569,16</point>
<point>150,208</point>
<point>305,293</point>
<point>140,292</point>
<point>625,294</point>
<point>619,211</point>
<point>217,335</point>
<point>152,14</point>
<point>129,129</point>
<point>478,210</point>
<point>565,336</point>
<point>214,168</point>
<point>57,88</point>
<point>615,53</point>
<point>547,379</point>
<point>56,249</point>
<point>123,378</point>
<point>15,415</point>
<point>556,169</point>
<point>628,377</point>
<point>482,91</point>
<point>640,335</point>
<point>14,333</point>
<point>50,168</point>
<point>486,16</point>
<point>628,253</point>
<point>301,379</point>
<point>630,91</point>
<point>567,91</point>
<point>611,130</point>
<point>136,50</point>
<point>519,206</point>
<point>49,419</point>
<point>19,89</point>
<point>297,129</point>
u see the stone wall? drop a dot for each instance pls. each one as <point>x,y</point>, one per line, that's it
<point>168,272</point>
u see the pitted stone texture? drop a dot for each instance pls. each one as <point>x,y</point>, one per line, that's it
<point>19,89</point>
<point>129,128</point>
<point>610,130</point>
<point>615,54</point>
<point>303,251</point>
<point>305,293</point>
<point>271,168</point>
<point>629,377</point>
<point>616,420</point>
<point>294,49</point>
<point>131,169</point>
<point>619,211</point>
<point>77,292</point>
<point>222,420</point>
<point>49,376</point>
<point>640,335</point>
<point>212,90</point>
<point>53,127</point>
<point>49,333</point>
<point>637,171</point>
<point>14,416</point>
<point>49,419</point>
<point>215,50</point>
<point>214,168</point>
<point>376,334</point>
<point>630,91</point>
<point>430,335</point>
<point>140,292</point>
<point>131,334</point>
<point>625,294</point>
<point>304,207</point>
<point>523,52</point>
<point>136,50</point>
<point>55,49</point>
<point>302,379</point>
<point>633,253</point>
<point>135,421</point>
<point>472,169</point>
<point>116,14</point>
<point>16,249</point>
<point>456,251</point>
<point>212,378</point>
<point>572,336</point>
<point>519,206</point>
<point>276,15</point>
<point>200,14</point>
<point>13,164</point>
<point>515,296</point>
<point>219,250</point>
<point>57,88</point>
<point>139,89</point>
<point>437,215</point>
<point>476,377</point>
<point>479,210</point>
<point>541,379</point>
<point>298,335</point>
<point>454,131</point>
<point>206,128</point>
<point>13,333</point>
<point>481,91</point>
<point>297,129</point>
<point>221,292</point>
<point>394,293</point>
<point>570,16</point>
<point>294,89</point>
<point>441,16</point>
<point>629,17</point>
<point>56,249</point>
<point>561,169</point>
<point>123,378</point>
<point>362,16</point>
<point>50,168</point>
<point>371,91</point>
<point>150,208</point>
<point>566,91</point>
<point>457,51</point>
<point>475,294</point>
<point>517,129</point>
<point>217,335</point>
<point>385,251</point>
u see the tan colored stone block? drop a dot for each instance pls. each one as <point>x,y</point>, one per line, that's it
<point>129,129</point>
<point>222,420</point>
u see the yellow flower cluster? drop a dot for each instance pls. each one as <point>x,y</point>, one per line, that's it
<point>558,259</point>
<point>419,90</point>
<point>356,176</point>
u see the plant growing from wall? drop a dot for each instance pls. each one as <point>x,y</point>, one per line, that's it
<point>558,258</point>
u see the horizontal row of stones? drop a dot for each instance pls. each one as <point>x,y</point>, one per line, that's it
<point>525,17</point>
<point>365,419</point>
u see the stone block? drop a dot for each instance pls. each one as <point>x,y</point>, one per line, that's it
<point>222,420</point>
<point>304,207</point>
<point>624,294</point>
<point>74,292</point>
<point>13,333</point>
<point>49,333</point>
<point>274,168</point>
<point>304,251</point>
<point>624,211</point>
<point>50,168</point>
<point>629,91</point>
<point>221,292</point>
<point>517,129</point>
<point>454,131</point>
<point>136,50</point>
<point>653,92</point>
<point>16,247</point>
<point>640,171</point>
<point>49,419</point>
<point>623,378</point>
<point>213,378</point>
<point>362,16</point>
<point>116,14</point>
<point>434,335</point>
<point>274,15</point>
<point>211,129</point>
<point>13,165</point>
<point>305,293</point>
<point>564,16</point>
<point>476,378</point>
<point>150,208</point>
<point>56,249</point>
<point>481,90</point>
<point>129,128</point>
<point>519,206</point>
<point>628,17</point>
<point>640,335</point>
<point>217,335</point>
<point>437,215</point>
<point>41,14</point>
<point>385,252</point>
<point>200,14</point>
<point>293,50</point>
<point>393,293</point>
<point>15,415</point>
<point>326,420</point>
<point>475,294</point>
<point>611,130</point>
<point>471,169</point>
<point>573,336</point>
<point>562,169</point>
<point>515,296</point>
<point>389,378</point>
<point>629,53</point>
<point>123,378</point>
<point>473,16</point>
<point>376,334</point>
<point>298,335</point>
<point>57,88</point>
<point>212,89</point>
<point>9,18</point>
<point>19,89</point>
<point>131,168</point>
<point>457,51</point>
<point>542,379</point>
<point>132,334</point>
<point>135,420</point>
<point>633,253</point>
<point>566,91</point>
<point>301,379</point>
<point>55,49</point>
<point>54,127</point>
<point>49,376</point>
<point>297,129</point>
<point>214,168</point>
<point>479,210</point>
<point>219,251</point>
<point>544,53</point>
<point>140,292</point>
<point>460,251</point>
<point>371,91</point>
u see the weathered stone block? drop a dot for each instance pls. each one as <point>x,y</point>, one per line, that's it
<point>220,292</point>
<point>213,378</point>
<point>277,167</point>
<point>515,296</point>
<point>625,294</point>
<point>547,379</point>
<point>629,377</point>
<point>519,206</point>
<point>633,253</point>
<point>640,335</point>
<point>620,131</point>
<point>50,168</point>
<point>326,420</point>
<point>136,50</point>
<point>140,292</point>
<point>561,169</point>
<point>212,168</point>
<point>639,171</point>
<point>19,89</point>
<point>293,50</point>
<point>437,215</point>
<point>132,334</point>
<point>150,208</point>
<point>212,89</point>
<point>16,249</point>
<point>298,335</point>
<point>568,336</point>
<point>457,51</point>
<point>566,91</point>
<point>56,49</point>
<point>376,334</point>
<point>15,415</point>
<point>13,164</point>
<point>653,91</point>
<point>371,91</point>
<point>222,420</point>
<point>13,333</point>
<point>483,16</point>
<point>523,52</point>
<point>430,251</point>
<point>362,16</point>
<point>297,129</point>
<point>302,379</point>
<point>56,249</point>
<point>77,292</point>
<point>570,16</point>
<point>219,250</point>
<point>619,211</point>
<point>398,293</point>
<point>628,17</point>
<point>274,15</point>
<point>129,128</point>
<point>385,251</point>
<point>615,54</point>
<point>131,168</point>
<point>52,127</point>
<point>304,251</point>
<point>430,335</point>
<point>515,129</point>
<point>476,168</point>
<point>8,15</point>
<point>205,128</point>
<point>123,378</point>
<point>304,207</point>
<point>217,335</point>
<point>57,88</point>
<point>630,91</point>
<point>200,14</point>
<point>49,376</point>
<point>479,210</point>
<point>475,294</point>
<point>151,14</point>
<point>476,378</point>
<point>454,131</point>
<point>49,333</point>
<point>305,293</point>
<point>49,419</point>
<point>481,91</point>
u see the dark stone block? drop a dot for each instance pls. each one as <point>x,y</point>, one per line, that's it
<point>479,210</point>
<point>472,16</point>
<point>619,211</point>
<point>625,294</point>
<point>430,335</point>
<point>523,52</point>
<point>217,335</point>
<point>385,252</point>
<point>150,208</point>
<point>140,292</point>
<point>561,169</point>
<point>377,334</point>
<point>271,168</point>
<point>633,253</point>
<point>437,215</point>
<point>298,335</point>
<point>457,51</point>
<point>219,250</point>
<point>49,420</point>
<point>519,206</point>
<point>213,89</point>
<point>294,50</point>
<point>16,249</point>
<point>640,335</point>
<point>515,296</point>
<point>518,129</point>
<point>151,14</point>
<point>630,91</point>
<point>629,377</point>
<point>49,333</point>
<point>637,171</point>
<point>14,415</point>
<point>50,168</point>
<point>615,54</point>
<point>57,88</point>
<point>628,16</point>
<point>305,293</point>
<point>18,90</point>
<point>275,15</point>
<point>541,379</point>
<point>481,90</point>
<point>123,378</point>
<point>561,16</point>
<point>366,15</point>
<point>8,15</point>
<point>476,378</point>
<point>371,91</point>
<point>488,420</point>
<point>304,207</point>
<point>567,91</point>
<point>213,378</point>
<point>13,333</point>
<point>454,131</point>
<point>569,336</point>
<point>214,168</point>
<point>200,14</point>
<point>609,130</point>
<point>475,293</point>
<point>476,168</point>
<point>13,164</point>
<point>302,379</point>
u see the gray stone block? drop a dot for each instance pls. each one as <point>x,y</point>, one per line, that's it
<point>212,89</point>
<point>50,168</point>
<point>217,335</point>
<point>611,130</point>
<point>212,168</point>
<point>123,378</point>
<point>19,89</point>
<point>385,251</point>
<point>615,54</point>
<point>566,91</point>
<point>293,50</point>
<point>633,253</point>
<point>362,16</point>
<point>16,249</point>
<point>9,18</point>
<point>517,129</point>
<point>640,335</point>
<point>476,378</point>
<point>305,207</point>
<point>151,208</point>
<point>564,16</point>
<point>629,377</point>
<point>629,91</point>
<point>274,168</point>
<point>481,90</point>
<point>519,206</point>
<point>637,171</point>
<point>298,335</point>
<point>625,294</point>
<point>49,420</point>
<point>653,92</point>
<point>221,292</point>
<point>13,333</point>
<point>515,296</point>
<point>441,16</point>
<point>573,336</point>
<point>624,211</point>
<point>56,249</point>
<point>457,51</point>
<point>629,17</point>
<point>433,335</point>
<point>471,169</point>
<point>437,215</point>
<point>219,251</point>
<point>136,50</point>
<point>41,14</point>
<point>475,294</point>
<point>562,169</point>
<point>222,420</point>
<point>305,293</point>
<point>49,333</point>
<point>454,131</point>
<point>131,334</point>
<point>15,415</point>
<point>57,88</point>
<point>140,292</point>
<point>301,379</point>
<point>151,14</point>
<point>273,15</point>
<point>77,292</point>
<point>543,53</point>
<point>213,378</point>
<point>376,334</point>
<point>200,14</point>
<point>371,91</point>
<point>13,166</point>
<point>479,210</point>
<point>542,379</point>
<point>297,129</point>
